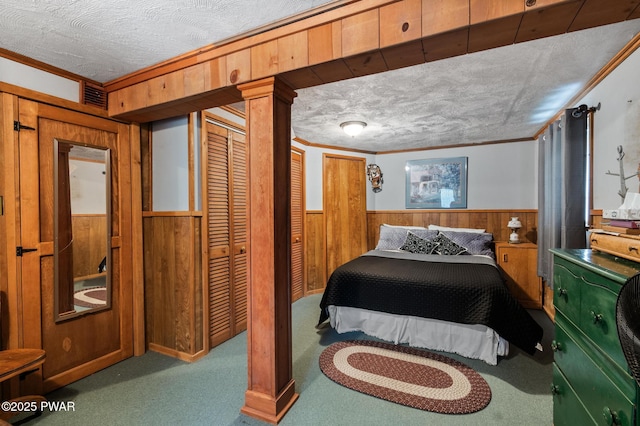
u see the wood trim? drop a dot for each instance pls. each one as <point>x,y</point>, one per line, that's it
<point>221,120</point>
<point>10,226</point>
<point>323,146</point>
<point>33,63</point>
<point>171,213</point>
<point>177,354</point>
<point>55,101</point>
<point>137,247</point>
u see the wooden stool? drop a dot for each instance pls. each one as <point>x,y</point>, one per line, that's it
<point>19,362</point>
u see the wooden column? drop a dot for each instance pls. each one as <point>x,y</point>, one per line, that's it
<point>271,388</point>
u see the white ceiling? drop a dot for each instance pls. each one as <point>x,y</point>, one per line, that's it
<point>507,93</point>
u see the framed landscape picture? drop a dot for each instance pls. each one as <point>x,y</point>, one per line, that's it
<point>436,183</point>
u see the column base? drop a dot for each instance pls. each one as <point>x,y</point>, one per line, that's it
<point>266,408</point>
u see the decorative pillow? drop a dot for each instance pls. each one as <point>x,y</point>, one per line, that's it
<point>475,243</point>
<point>444,228</point>
<point>447,247</point>
<point>392,237</point>
<point>415,244</point>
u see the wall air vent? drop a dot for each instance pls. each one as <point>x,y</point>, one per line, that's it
<point>94,95</point>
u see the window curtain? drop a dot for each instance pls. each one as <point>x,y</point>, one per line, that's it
<point>562,171</point>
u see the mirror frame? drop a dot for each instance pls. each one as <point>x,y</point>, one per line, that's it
<point>63,316</point>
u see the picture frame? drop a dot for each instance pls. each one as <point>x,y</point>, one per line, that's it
<point>436,183</point>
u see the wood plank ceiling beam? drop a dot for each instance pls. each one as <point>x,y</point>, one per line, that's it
<point>359,38</point>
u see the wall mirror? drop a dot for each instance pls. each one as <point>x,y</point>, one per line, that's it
<point>82,231</point>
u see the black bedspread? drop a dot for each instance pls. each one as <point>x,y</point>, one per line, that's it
<point>467,293</point>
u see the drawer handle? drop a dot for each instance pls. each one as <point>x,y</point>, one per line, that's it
<point>610,417</point>
<point>562,291</point>
<point>596,317</point>
<point>555,389</point>
<point>556,346</point>
<point>632,248</point>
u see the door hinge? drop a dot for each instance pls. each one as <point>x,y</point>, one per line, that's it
<point>20,250</point>
<point>17,126</point>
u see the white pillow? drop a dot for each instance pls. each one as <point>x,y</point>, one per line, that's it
<point>444,228</point>
<point>404,226</point>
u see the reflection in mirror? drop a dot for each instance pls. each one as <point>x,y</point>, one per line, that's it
<point>82,232</point>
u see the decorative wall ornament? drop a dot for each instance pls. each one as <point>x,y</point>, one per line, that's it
<point>375,177</point>
<point>623,187</point>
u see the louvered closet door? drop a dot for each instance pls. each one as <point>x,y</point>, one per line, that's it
<point>239,215</point>
<point>227,232</point>
<point>297,220</point>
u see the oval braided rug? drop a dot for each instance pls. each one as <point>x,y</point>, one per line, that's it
<point>407,376</point>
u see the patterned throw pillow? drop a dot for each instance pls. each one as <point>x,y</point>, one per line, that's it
<point>447,247</point>
<point>415,244</point>
<point>475,243</point>
<point>393,236</point>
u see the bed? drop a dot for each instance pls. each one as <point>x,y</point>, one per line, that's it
<point>436,288</point>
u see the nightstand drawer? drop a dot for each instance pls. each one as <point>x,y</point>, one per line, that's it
<point>591,385</point>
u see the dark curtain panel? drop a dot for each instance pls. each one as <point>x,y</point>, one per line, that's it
<point>562,157</point>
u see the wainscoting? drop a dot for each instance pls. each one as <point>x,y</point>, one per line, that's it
<point>494,221</point>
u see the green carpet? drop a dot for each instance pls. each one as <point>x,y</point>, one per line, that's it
<point>154,389</point>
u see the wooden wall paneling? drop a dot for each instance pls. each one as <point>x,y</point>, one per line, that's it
<point>400,22</point>
<point>592,14</point>
<point>9,226</point>
<point>30,323</point>
<point>360,33</point>
<point>494,221</point>
<point>173,285</point>
<point>138,137</point>
<point>293,52</point>
<point>406,55</point>
<point>325,43</point>
<point>315,252</point>
<point>264,59</point>
<point>489,10</point>
<point>489,35</point>
<point>537,24</point>
<point>442,16</point>
<point>88,243</point>
<point>238,67</point>
<point>446,45</point>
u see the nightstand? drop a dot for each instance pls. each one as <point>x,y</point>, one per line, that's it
<point>519,264</point>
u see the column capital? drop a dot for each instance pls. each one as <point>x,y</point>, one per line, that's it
<point>267,87</point>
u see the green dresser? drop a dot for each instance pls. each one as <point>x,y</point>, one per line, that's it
<point>591,381</point>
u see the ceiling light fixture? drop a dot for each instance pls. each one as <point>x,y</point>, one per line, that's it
<point>353,128</point>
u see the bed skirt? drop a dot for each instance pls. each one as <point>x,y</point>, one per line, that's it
<point>472,341</point>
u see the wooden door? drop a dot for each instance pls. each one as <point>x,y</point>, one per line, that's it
<point>297,224</point>
<point>344,200</point>
<point>78,345</point>
<point>226,195</point>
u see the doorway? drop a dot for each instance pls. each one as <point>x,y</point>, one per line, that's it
<point>66,242</point>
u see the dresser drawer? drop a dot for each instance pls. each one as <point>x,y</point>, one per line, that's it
<point>589,382</point>
<point>568,410</point>
<point>566,293</point>
<point>623,246</point>
<point>598,320</point>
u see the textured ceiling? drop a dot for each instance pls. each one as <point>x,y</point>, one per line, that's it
<point>500,94</point>
<point>494,95</point>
